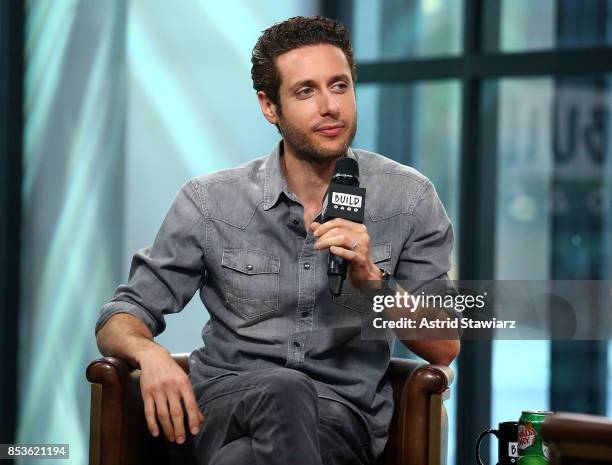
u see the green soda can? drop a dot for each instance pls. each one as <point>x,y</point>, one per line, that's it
<point>532,450</point>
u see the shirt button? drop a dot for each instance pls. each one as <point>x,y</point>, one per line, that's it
<point>304,314</point>
<point>296,344</point>
<point>306,266</point>
<point>296,222</point>
<point>250,267</point>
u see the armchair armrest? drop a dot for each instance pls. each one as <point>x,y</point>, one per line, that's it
<point>574,437</point>
<point>118,430</point>
<point>419,429</point>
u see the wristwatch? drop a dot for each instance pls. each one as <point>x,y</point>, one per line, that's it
<point>387,284</point>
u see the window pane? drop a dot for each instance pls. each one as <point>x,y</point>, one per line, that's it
<point>544,24</point>
<point>418,125</point>
<point>524,171</point>
<point>554,177</point>
<point>397,29</point>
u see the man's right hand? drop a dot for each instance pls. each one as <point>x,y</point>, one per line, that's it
<point>164,385</point>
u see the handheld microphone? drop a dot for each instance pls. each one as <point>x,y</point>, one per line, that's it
<point>343,199</point>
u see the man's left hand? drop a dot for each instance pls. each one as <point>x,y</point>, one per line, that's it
<point>350,241</point>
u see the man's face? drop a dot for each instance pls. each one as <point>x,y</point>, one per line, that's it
<point>318,118</point>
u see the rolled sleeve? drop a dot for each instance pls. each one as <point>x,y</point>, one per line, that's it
<point>164,276</point>
<point>117,306</point>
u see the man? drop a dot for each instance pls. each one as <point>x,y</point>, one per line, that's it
<point>284,376</point>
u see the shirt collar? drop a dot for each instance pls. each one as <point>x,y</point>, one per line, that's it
<point>275,183</point>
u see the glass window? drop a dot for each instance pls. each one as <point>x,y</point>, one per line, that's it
<point>396,29</point>
<point>553,216</point>
<point>544,24</point>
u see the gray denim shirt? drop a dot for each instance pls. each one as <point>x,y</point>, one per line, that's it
<point>238,237</point>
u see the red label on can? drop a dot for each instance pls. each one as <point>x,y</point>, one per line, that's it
<point>526,435</point>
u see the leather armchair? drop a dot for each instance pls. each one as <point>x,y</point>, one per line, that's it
<point>118,434</point>
<point>578,439</point>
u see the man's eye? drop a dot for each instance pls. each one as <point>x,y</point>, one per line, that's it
<point>305,92</point>
<point>341,86</point>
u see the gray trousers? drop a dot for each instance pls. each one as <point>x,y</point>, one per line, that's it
<point>274,417</point>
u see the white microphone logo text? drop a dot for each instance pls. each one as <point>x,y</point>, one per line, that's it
<point>347,200</point>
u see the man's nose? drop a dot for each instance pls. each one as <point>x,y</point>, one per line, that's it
<point>328,104</point>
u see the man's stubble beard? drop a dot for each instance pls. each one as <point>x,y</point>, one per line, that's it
<point>306,148</point>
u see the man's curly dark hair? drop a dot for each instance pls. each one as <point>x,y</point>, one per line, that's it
<point>288,35</point>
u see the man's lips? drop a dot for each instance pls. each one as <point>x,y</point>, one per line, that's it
<point>330,131</point>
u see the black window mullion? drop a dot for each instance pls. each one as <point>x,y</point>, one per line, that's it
<point>476,236</point>
<point>12,19</point>
<point>568,62</point>
<point>341,10</point>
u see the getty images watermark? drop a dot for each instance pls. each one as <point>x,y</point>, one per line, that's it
<point>426,302</point>
<point>552,310</point>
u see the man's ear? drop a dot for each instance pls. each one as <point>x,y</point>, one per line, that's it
<point>267,107</point>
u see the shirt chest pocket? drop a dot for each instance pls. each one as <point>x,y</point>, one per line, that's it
<point>251,281</point>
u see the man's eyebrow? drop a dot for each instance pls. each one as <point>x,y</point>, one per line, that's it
<point>339,77</point>
<point>312,83</point>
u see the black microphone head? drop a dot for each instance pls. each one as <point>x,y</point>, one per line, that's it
<point>346,167</point>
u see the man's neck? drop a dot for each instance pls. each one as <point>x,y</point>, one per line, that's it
<point>307,180</point>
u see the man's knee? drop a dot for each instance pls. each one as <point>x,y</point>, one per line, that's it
<point>287,384</point>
